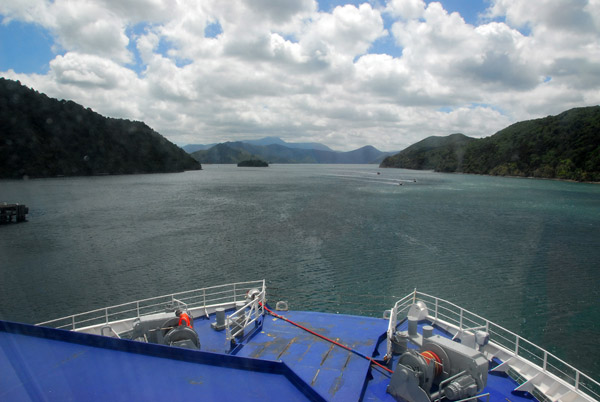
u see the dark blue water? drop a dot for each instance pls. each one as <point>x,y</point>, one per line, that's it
<point>522,253</point>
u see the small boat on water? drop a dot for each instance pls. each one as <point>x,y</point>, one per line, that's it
<point>239,347</point>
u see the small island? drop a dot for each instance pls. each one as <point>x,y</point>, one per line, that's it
<point>253,163</point>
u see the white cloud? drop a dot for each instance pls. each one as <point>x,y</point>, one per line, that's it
<point>457,62</point>
<point>406,9</point>
<point>283,11</point>
<point>34,11</point>
<point>137,11</point>
<point>348,31</point>
<point>564,15</point>
<point>284,68</point>
<point>565,39</point>
<point>87,28</point>
<point>86,71</point>
<point>83,26</point>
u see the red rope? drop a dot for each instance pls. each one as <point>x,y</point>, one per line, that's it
<point>326,339</point>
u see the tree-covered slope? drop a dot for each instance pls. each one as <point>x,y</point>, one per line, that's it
<point>222,153</point>
<point>566,146</point>
<point>443,154</point>
<point>45,137</point>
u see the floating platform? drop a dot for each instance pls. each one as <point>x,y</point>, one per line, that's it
<point>10,211</point>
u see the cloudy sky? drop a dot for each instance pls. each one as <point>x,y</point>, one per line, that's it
<point>343,73</point>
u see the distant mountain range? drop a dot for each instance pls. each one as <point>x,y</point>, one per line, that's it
<point>275,150</point>
<point>566,146</point>
<point>45,137</point>
<point>191,148</point>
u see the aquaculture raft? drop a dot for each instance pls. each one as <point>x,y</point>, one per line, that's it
<point>8,211</point>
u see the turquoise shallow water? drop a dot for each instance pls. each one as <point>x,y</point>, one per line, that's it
<point>522,253</point>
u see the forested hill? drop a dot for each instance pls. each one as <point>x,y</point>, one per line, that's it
<point>566,146</point>
<point>442,154</point>
<point>45,137</point>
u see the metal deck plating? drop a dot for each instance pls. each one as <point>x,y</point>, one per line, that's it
<point>273,360</point>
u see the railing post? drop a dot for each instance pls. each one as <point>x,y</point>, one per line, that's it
<point>204,298</point>
<point>545,360</point>
<point>577,380</point>
<point>234,293</point>
<point>106,314</point>
<point>436,308</point>
<point>461,319</point>
<point>517,346</point>
<point>73,322</point>
<point>137,308</point>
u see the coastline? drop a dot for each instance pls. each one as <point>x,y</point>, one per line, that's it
<point>493,175</point>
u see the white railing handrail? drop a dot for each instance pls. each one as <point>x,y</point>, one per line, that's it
<point>248,314</point>
<point>393,321</point>
<point>180,303</point>
<point>228,293</point>
<point>517,336</point>
<point>576,374</point>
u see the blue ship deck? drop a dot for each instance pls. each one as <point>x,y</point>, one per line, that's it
<point>278,362</point>
<point>335,373</point>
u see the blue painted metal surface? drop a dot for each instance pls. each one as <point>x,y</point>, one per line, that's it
<point>278,362</point>
<point>48,364</point>
<point>335,373</point>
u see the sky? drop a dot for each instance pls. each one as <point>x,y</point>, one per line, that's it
<point>386,73</point>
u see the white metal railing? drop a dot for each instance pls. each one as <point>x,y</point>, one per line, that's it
<point>399,310</point>
<point>440,310</point>
<point>179,304</point>
<point>246,315</point>
<point>213,296</point>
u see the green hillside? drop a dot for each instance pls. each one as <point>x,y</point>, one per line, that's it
<point>442,154</point>
<point>223,153</point>
<point>45,137</point>
<point>566,146</point>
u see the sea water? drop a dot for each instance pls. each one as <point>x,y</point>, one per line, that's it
<point>340,238</point>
